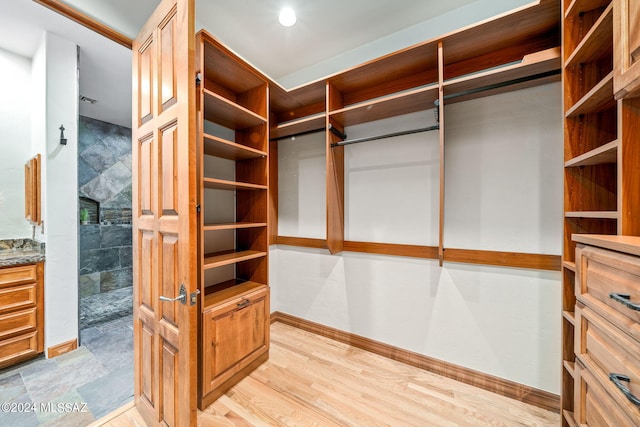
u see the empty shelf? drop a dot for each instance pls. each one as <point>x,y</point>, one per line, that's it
<point>219,109</point>
<point>607,153</point>
<point>233,226</point>
<point>219,147</point>
<point>298,126</point>
<point>597,43</point>
<point>592,214</point>
<point>221,184</point>
<point>229,257</point>
<point>597,99</point>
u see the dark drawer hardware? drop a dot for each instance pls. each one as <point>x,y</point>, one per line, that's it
<point>617,380</point>
<point>625,300</point>
<point>244,303</point>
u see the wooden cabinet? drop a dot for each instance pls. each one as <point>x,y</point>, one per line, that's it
<point>232,107</point>
<point>607,331</point>
<point>21,313</point>
<point>235,334</point>
<point>626,39</point>
<point>601,154</point>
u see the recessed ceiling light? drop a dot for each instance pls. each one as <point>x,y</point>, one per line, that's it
<point>287,17</point>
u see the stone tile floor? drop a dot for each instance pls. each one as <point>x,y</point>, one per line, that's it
<point>76,388</point>
<point>105,306</point>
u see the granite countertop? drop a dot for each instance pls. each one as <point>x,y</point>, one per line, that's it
<point>20,251</point>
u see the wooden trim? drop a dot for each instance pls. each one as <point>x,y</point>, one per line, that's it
<point>503,387</point>
<point>86,21</point>
<point>428,252</point>
<point>505,259</point>
<point>441,150</point>
<point>301,241</point>
<point>62,348</point>
<point>112,415</point>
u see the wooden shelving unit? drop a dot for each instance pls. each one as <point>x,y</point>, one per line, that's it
<point>233,227</point>
<point>516,50</point>
<point>591,154</point>
<point>600,159</point>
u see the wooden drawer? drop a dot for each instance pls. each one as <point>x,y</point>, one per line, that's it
<point>17,323</point>
<point>17,275</point>
<point>18,348</point>
<point>609,283</point>
<point>604,351</point>
<point>594,408</point>
<point>18,298</point>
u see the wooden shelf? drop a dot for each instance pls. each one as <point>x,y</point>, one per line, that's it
<point>580,6</point>
<point>224,112</point>
<point>221,184</point>
<point>229,257</point>
<point>219,147</point>
<point>530,65</point>
<point>592,214</point>
<point>569,265</point>
<point>220,293</point>
<point>597,99</point>
<point>304,124</point>
<point>570,367</point>
<point>607,153</point>
<point>225,68</point>
<point>570,317</point>
<point>390,106</point>
<point>597,43</point>
<point>233,226</point>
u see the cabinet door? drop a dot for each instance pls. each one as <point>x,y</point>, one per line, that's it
<point>234,338</point>
<point>626,48</point>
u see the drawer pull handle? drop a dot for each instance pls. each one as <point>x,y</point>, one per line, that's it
<point>617,380</point>
<point>625,300</point>
<point>244,303</point>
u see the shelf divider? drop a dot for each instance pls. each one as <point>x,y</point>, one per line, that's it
<point>220,259</point>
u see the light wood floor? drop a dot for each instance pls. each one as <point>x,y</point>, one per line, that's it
<point>314,381</point>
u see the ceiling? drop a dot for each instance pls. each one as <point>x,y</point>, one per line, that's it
<point>325,29</point>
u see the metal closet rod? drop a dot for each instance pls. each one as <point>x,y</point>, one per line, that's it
<point>499,85</point>
<point>388,135</point>
<point>341,135</point>
<point>306,132</point>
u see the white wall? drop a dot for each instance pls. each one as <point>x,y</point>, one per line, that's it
<point>15,142</point>
<point>55,82</point>
<point>501,321</point>
<point>448,22</point>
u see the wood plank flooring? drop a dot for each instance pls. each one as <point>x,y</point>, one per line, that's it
<point>310,380</point>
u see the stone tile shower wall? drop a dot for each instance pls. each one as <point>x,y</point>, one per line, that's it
<point>104,180</point>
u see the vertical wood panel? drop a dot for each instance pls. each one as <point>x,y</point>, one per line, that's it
<point>145,79</point>
<point>144,176</point>
<point>441,136</point>
<point>146,269</point>
<point>335,175</point>
<point>169,280</point>
<point>168,63</point>
<point>168,174</point>
<point>147,364</point>
<point>169,386</point>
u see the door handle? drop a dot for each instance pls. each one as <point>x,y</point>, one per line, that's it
<point>617,380</point>
<point>625,300</point>
<point>182,297</point>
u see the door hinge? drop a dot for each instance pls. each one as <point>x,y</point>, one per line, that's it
<point>198,78</point>
<point>198,208</point>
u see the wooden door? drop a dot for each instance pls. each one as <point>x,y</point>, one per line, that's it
<point>164,216</point>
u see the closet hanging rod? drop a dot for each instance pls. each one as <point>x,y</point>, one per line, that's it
<point>389,135</point>
<point>499,85</point>
<point>293,135</point>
